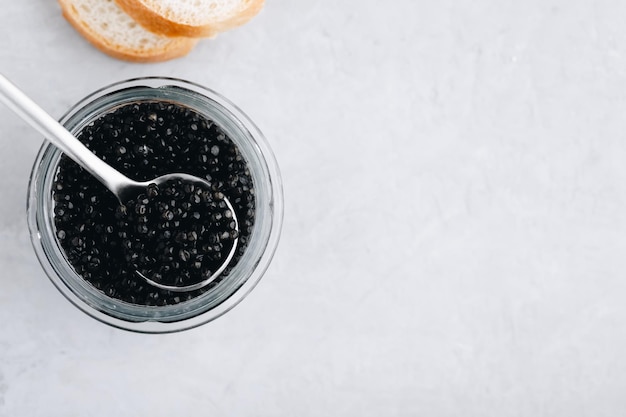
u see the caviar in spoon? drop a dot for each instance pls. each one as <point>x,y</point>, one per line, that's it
<point>179,236</point>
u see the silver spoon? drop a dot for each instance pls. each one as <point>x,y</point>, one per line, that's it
<point>119,184</point>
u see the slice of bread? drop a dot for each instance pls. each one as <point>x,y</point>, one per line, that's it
<point>192,18</point>
<point>107,27</point>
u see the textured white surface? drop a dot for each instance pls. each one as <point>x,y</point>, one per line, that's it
<point>455,214</point>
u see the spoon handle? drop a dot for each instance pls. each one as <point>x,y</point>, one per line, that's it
<point>56,133</point>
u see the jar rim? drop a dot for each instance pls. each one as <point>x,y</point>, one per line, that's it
<point>263,241</point>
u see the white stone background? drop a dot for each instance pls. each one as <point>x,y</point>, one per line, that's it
<point>455,209</point>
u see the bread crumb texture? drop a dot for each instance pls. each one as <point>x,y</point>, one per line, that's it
<point>105,25</point>
<point>106,18</point>
<point>197,12</point>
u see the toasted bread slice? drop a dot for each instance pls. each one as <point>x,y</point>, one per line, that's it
<point>191,18</point>
<point>108,28</point>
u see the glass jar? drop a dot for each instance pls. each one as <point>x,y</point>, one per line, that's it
<point>244,275</point>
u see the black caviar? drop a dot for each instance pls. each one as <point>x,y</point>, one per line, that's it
<point>177,233</point>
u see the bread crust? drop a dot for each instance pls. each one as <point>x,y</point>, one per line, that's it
<point>177,48</point>
<point>157,23</point>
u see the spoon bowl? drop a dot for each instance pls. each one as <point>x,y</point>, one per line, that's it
<point>134,189</point>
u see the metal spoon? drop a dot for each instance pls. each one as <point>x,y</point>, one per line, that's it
<point>119,184</point>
